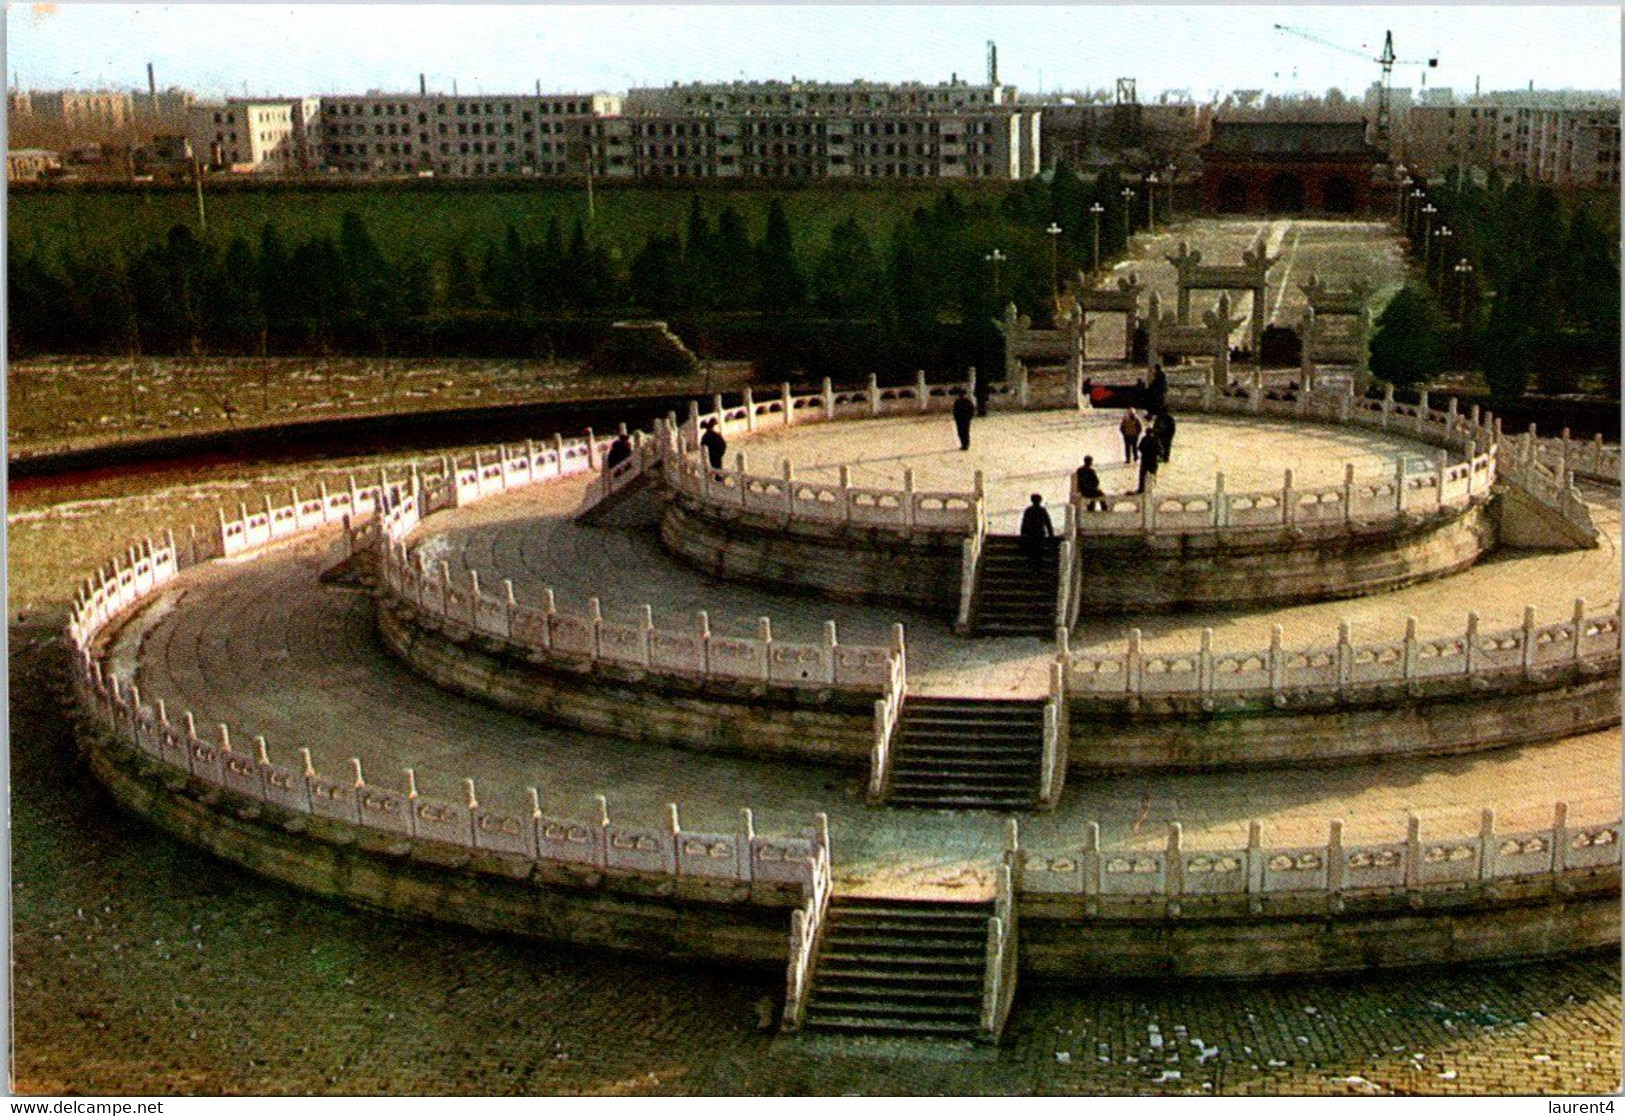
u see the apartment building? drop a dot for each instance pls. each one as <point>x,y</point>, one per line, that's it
<point>952,145</point>
<point>460,137</point>
<point>245,136</point>
<point>1565,145</point>
<point>97,109</point>
<point>795,98</point>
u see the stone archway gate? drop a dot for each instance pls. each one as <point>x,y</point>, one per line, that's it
<point>1023,343</point>
<point>1336,329</point>
<point>1251,275</point>
<point>1167,335</point>
<point>1122,299</point>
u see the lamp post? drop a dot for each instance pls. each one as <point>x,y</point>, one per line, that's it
<point>1151,181</point>
<point>1443,236</point>
<point>1095,211</point>
<point>1054,231</point>
<point>1404,195</point>
<point>1415,207</point>
<point>1168,173</point>
<point>995,258</point>
<point>1428,211</point>
<point>1128,199</point>
<point>1462,270</point>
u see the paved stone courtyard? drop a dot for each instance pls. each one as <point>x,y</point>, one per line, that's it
<point>144,966</point>
<point>1025,452</point>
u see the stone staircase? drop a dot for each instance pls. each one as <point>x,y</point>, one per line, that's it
<point>902,967</point>
<point>1015,595</point>
<point>967,754</point>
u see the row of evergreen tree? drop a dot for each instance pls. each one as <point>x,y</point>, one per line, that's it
<point>1538,297</point>
<point>898,288</point>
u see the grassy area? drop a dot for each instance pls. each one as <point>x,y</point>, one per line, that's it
<point>431,217</point>
<point>75,402</point>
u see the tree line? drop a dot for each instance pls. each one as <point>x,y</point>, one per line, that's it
<point>1525,288</point>
<point>920,293</point>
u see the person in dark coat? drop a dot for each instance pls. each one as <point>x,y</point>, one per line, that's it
<point>1150,455</point>
<point>1164,427</point>
<point>1130,429</point>
<point>964,411</point>
<point>1036,528</point>
<point>619,450</point>
<point>1156,392</point>
<point>1089,486</point>
<point>714,444</point>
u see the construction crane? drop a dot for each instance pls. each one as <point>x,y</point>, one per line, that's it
<point>1386,60</point>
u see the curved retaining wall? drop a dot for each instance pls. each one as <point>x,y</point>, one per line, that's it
<point>1063,939</point>
<point>1382,721</point>
<point>1108,732</point>
<point>847,563</point>
<point>1146,573</point>
<point>709,715</point>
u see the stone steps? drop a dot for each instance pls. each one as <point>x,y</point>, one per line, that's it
<point>900,967</point>
<point>954,753</point>
<point>1015,594</point>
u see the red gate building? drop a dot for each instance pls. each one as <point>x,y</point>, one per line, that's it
<point>1288,167</point>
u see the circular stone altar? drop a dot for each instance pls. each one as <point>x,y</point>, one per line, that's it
<point>503,755</point>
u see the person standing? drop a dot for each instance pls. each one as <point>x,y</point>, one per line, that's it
<point>1036,528</point>
<point>1156,392</point>
<point>964,411</point>
<point>1089,486</point>
<point>1165,433</point>
<point>1150,455</point>
<point>714,444</point>
<point>1130,429</point>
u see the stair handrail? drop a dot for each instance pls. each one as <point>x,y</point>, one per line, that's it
<point>970,561</point>
<point>807,928</point>
<point>646,454</point>
<point>1553,486</point>
<point>1052,772</point>
<point>999,978</point>
<point>1066,567</point>
<point>888,712</point>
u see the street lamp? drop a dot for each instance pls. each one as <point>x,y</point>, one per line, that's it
<point>1404,186</point>
<point>1462,270</point>
<point>1128,198</point>
<point>1151,202</point>
<point>995,258</point>
<point>1095,211</point>
<point>1054,231</point>
<point>1415,207</point>
<point>1443,235</point>
<point>1428,211</point>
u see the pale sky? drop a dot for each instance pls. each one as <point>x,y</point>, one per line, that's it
<point>218,49</point>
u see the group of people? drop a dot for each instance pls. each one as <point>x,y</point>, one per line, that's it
<point>1150,442</point>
